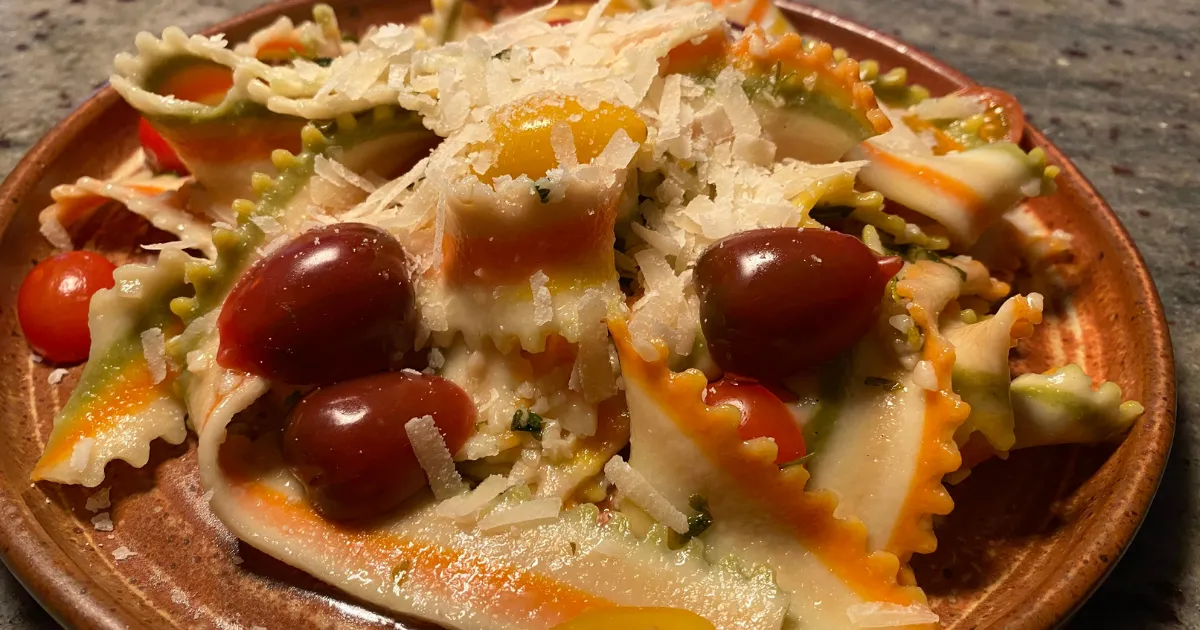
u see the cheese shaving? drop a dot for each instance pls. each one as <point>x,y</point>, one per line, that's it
<point>123,553</point>
<point>98,501</point>
<point>466,507</point>
<point>336,172</point>
<point>102,522</point>
<point>81,454</point>
<point>524,514</point>
<point>543,306</point>
<point>435,459</point>
<point>634,486</point>
<point>57,375</point>
<point>154,349</point>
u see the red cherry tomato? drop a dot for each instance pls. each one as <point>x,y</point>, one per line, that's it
<point>763,415</point>
<point>52,304</point>
<point>347,445</point>
<point>160,154</point>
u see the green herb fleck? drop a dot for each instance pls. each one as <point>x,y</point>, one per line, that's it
<point>875,381</point>
<point>528,422</point>
<point>543,193</point>
<point>349,37</point>
<point>324,62</point>
<point>701,520</point>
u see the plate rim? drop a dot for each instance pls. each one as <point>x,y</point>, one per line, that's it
<point>74,599</point>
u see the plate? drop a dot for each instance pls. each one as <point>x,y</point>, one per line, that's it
<point>1030,538</point>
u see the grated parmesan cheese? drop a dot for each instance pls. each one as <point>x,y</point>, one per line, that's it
<point>925,376</point>
<point>154,349</point>
<point>435,459</point>
<point>633,485</point>
<point>436,359</point>
<point>466,507</point>
<point>81,454</point>
<point>98,501</point>
<point>102,522</point>
<point>525,514</point>
<point>562,141</point>
<point>543,305</point>
<point>56,376</point>
<point>736,104</point>
<point>123,553</point>
<point>337,173</point>
<point>888,615</point>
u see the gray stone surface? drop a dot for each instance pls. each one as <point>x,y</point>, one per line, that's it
<point>1114,84</point>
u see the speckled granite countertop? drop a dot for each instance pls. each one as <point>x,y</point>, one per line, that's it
<point>1113,82</point>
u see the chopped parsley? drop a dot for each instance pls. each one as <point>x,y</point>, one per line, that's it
<point>528,422</point>
<point>543,193</point>
<point>324,62</point>
<point>701,520</point>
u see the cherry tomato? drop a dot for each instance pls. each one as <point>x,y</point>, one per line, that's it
<point>52,304</point>
<point>335,303</point>
<point>774,302</point>
<point>161,156</point>
<point>763,415</point>
<point>347,445</point>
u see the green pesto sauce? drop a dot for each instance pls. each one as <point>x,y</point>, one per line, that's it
<point>791,92</point>
<point>103,371</point>
<point>1053,396</point>
<point>832,390</point>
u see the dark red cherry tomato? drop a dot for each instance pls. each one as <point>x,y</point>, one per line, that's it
<point>347,444</point>
<point>776,301</point>
<point>161,156</point>
<point>763,415</point>
<point>333,304</point>
<point>52,304</point>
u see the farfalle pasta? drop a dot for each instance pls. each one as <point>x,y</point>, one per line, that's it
<point>594,314</point>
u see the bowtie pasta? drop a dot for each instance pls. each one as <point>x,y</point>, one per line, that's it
<point>588,316</point>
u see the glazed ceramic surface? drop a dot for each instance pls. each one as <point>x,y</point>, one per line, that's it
<point>1029,538</point>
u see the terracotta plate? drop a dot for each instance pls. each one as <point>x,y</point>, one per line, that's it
<point>1029,540</point>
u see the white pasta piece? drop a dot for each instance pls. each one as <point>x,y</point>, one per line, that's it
<point>633,485</point>
<point>154,349</point>
<point>525,513</point>
<point>887,615</point>
<point>435,459</point>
